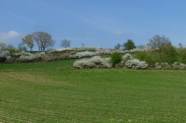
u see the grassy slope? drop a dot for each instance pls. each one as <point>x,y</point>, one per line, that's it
<point>54,92</point>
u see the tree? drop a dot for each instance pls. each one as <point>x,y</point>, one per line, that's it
<point>43,40</point>
<point>118,46</point>
<point>129,45</point>
<point>65,43</point>
<point>28,41</point>
<point>158,41</point>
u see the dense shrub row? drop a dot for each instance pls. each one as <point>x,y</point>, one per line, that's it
<point>165,58</point>
<point>165,55</point>
<point>116,60</point>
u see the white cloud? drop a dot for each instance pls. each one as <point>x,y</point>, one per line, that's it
<point>9,35</point>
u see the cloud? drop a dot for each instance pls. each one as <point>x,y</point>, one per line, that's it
<point>9,35</point>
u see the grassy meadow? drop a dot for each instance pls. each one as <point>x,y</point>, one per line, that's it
<point>56,93</point>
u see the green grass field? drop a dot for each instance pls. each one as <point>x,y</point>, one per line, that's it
<point>56,93</point>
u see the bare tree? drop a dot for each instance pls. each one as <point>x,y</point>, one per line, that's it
<point>158,41</point>
<point>43,39</point>
<point>28,41</point>
<point>65,43</point>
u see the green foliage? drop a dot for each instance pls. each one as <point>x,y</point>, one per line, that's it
<point>168,54</point>
<point>13,51</point>
<point>151,57</point>
<point>116,58</point>
<point>129,45</point>
<point>182,55</point>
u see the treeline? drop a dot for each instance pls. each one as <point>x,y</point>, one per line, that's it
<point>42,40</point>
<point>154,43</point>
<point>159,49</point>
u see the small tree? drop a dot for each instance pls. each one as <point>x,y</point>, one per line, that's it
<point>43,40</point>
<point>158,41</point>
<point>129,45</point>
<point>65,43</point>
<point>28,41</point>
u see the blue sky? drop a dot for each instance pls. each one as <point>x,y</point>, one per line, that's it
<point>100,23</point>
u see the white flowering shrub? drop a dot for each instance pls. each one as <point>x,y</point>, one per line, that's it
<point>29,57</point>
<point>127,57</point>
<point>178,66</point>
<point>108,60</point>
<point>136,64</point>
<point>157,66</point>
<point>84,54</point>
<point>165,66</point>
<point>104,51</point>
<point>138,50</point>
<point>4,53</point>
<point>94,62</point>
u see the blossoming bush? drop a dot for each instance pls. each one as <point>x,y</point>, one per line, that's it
<point>94,62</point>
<point>136,64</point>
<point>29,57</point>
<point>126,57</point>
<point>179,66</point>
<point>84,54</point>
<point>3,55</point>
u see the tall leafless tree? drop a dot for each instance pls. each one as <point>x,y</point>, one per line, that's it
<point>43,40</point>
<point>158,41</point>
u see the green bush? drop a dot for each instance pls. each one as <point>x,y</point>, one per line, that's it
<point>116,58</point>
<point>168,54</point>
<point>182,55</point>
<point>151,57</point>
